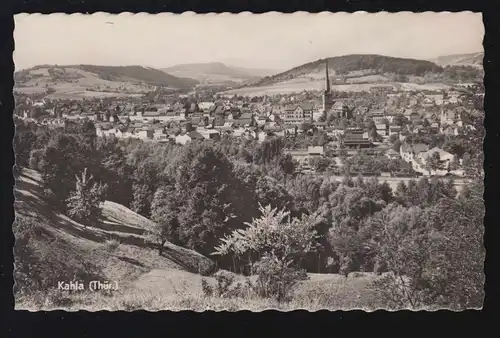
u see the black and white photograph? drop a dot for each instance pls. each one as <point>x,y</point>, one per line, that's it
<point>228,162</point>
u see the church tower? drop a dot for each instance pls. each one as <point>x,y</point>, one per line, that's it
<point>327,94</point>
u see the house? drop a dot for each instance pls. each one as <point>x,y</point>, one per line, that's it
<point>394,130</point>
<point>261,136</point>
<point>443,168</point>
<point>382,129</point>
<point>334,132</point>
<point>182,139</point>
<point>316,151</point>
<point>260,120</point>
<point>389,117</point>
<point>218,123</point>
<point>301,156</point>
<point>245,116</point>
<point>320,125</point>
<point>145,134</point>
<point>228,124</point>
<point>450,130</point>
<point>377,116</point>
<point>444,156</point>
<point>413,101</point>
<point>159,133</point>
<point>338,108</point>
<point>206,106</point>
<point>217,110</point>
<point>210,134</point>
<point>243,122</point>
<point>356,137</point>
<point>409,152</point>
<point>414,116</point>
<point>274,118</point>
<point>407,113</point>
<point>391,154</point>
<point>298,114</point>
<point>237,132</point>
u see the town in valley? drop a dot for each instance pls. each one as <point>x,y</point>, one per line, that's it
<point>303,169</point>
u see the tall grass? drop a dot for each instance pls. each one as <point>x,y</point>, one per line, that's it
<point>339,293</point>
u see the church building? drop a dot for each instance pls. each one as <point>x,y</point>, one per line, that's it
<point>331,106</point>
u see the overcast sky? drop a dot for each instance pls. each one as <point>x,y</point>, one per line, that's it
<point>273,40</point>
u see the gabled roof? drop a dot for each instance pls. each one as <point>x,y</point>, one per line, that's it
<point>441,152</point>
<point>306,106</point>
<point>338,105</point>
<point>195,135</point>
<point>391,152</point>
<point>245,116</point>
<point>219,122</point>
<point>242,122</point>
<point>419,147</point>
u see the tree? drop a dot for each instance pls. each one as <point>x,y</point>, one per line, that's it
<point>164,210</point>
<point>320,139</point>
<point>435,255</point>
<point>24,140</point>
<point>433,162</point>
<point>279,241</point>
<point>84,202</point>
<point>305,126</point>
<point>287,165</point>
<point>205,181</point>
<point>397,120</point>
<point>320,164</point>
<point>453,164</point>
<point>396,146</point>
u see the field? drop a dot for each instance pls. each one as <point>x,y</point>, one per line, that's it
<point>116,250</point>
<point>299,85</point>
<point>70,82</point>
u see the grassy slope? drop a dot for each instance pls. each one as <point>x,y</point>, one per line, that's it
<point>146,280</point>
<point>471,59</point>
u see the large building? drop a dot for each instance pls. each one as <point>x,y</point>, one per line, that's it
<point>356,137</point>
<point>327,94</point>
<point>330,105</point>
<point>298,114</point>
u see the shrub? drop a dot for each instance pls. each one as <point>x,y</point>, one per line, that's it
<point>83,203</point>
<point>34,159</point>
<point>112,244</point>
<point>276,280</point>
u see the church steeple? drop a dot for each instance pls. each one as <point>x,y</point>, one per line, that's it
<point>327,79</point>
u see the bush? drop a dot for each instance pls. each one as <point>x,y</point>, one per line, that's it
<point>225,287</point>
<point>276,280</point>
<point>112,244</point>
<point>34,159</point>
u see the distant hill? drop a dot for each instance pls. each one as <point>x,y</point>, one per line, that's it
<point>361,72</point>
<point>147,75</point>
<point>472,59</point>
<point>355,66</point>
<point>92,80</point>
<point>217,73</point>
